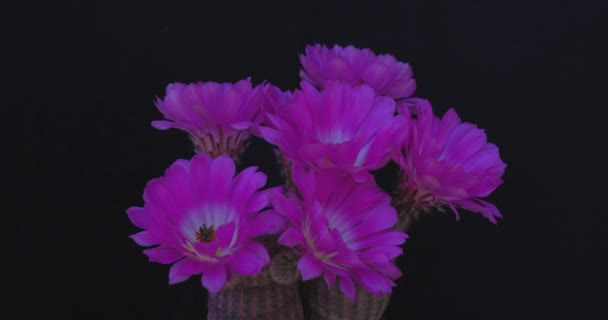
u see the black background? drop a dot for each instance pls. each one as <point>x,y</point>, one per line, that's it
<point>80,146</point>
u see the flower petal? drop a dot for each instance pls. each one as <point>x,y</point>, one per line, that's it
<point>330,278</point>
<point>309,267</point>
<point>292,237</point>
<point>249,259</point>
<point>347,287</point>
<point>145,239</point>
<point>215,277</point>
<point>163,255</point>
<point>163,125</point>
<point>185,268</point>
<point>372,281</point>
<point>266,222</point>
<point>139,217</point>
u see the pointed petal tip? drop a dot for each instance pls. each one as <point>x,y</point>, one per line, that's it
<point>162,124</point>
<point>215,278</point>
<point>309,267</point>
<point>348,288</point>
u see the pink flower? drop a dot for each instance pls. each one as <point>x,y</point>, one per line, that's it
<point>201,218</point>
<point>382,72</point>
<point>343,126</point>
<point>446,162</point>
<point>217,116</point>
<point>343,229</point>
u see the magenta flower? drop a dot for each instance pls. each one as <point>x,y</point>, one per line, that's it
<point>382,72</point>
<point>446,162</point>
<point>343,229</point>
<point>201,218</point>
<point>217,116</point>
<point>343,126</point>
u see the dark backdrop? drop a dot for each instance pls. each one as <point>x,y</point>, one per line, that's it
<point>81,148</point>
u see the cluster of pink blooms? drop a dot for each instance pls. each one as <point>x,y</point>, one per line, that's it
<point>353,113</point>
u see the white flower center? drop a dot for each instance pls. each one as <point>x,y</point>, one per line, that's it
<point>335,136</point>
